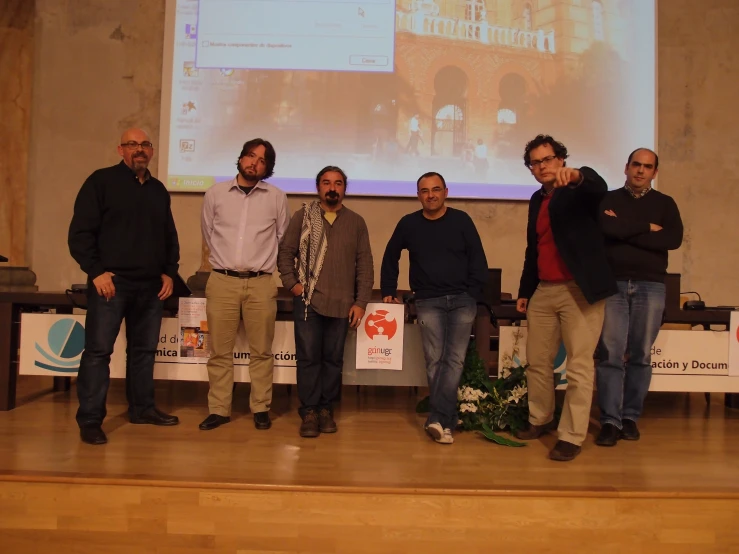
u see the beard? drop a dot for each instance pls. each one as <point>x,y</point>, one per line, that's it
<point>332,198</point>
<point>140,162</point>
<point>251,175</point>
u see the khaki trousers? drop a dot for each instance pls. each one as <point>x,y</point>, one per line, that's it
<point>559,311</point>
<point>231,299</point>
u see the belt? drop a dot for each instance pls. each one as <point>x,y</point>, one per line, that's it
<point>241,274</point>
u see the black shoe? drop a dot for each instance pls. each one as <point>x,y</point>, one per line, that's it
<point>262,421</point>
<point>213,421</point>
<point>630,432</point>
<point>609,435</point>
<point>155,417</point>
<point>93,435</point>
<point>326,423</point>
<point>564,451</point>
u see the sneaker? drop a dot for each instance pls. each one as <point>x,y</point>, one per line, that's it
<point>309,427</point>
<point>609,435</point>
<point>564,451</point>
<point>534,431</point>
<point>630,432</point>
<point>446,438</point>
<point>435,431</point>
<point>326,423</point>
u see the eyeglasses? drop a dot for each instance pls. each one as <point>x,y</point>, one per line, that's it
<point>538,163</point>
<point>134,145</point>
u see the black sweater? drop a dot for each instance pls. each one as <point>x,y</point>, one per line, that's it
<point>124,226</point>
<point>634,251</point>
<point>573,213</point>
<point>446,256</point>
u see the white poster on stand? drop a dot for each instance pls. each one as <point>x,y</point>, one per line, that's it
<point>380,337</point>
<point>194,335</point>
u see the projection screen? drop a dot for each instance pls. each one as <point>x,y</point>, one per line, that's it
<point>388,90</point>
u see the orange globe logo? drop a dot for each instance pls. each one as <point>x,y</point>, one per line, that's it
<point>380,323</point>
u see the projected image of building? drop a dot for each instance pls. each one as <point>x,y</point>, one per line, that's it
<point>478,67</point>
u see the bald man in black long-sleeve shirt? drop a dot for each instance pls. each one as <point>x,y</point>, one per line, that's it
<point>124,238</point>
<point>640,226</point>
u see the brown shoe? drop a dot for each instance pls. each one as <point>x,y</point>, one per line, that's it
<point>534,431</point>
<point>326,423</point>
<point>309,428</point>
<point>564,451</point>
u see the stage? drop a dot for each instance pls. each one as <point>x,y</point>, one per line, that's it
<point>378,485</point>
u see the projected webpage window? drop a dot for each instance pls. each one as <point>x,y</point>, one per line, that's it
<point>296,34</point>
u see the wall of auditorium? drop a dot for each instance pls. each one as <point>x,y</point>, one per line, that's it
<point>97,71</point>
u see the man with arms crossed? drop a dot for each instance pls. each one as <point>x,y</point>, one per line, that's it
<point>448,271</point>
<point>640,225</point>
<point>124,237</point>
<point>325,260</point>
<point>565,281</point>
<point>242,223</point>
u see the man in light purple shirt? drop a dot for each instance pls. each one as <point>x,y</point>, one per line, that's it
<point>243,221</point>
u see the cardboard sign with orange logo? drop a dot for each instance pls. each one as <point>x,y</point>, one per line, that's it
<point>380,337</point>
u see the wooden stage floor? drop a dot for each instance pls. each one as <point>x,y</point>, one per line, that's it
<point>687,448</point>
<point>377,486</point>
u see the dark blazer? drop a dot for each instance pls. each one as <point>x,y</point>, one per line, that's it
<point>573,212</point>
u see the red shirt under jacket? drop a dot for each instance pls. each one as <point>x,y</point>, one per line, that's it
<point>551,265</point>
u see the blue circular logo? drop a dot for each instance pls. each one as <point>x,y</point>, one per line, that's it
<point>67,338</point>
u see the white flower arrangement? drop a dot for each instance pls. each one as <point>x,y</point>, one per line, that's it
<point>497,404</point>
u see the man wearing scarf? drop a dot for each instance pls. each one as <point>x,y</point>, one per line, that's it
<point>325,260</point>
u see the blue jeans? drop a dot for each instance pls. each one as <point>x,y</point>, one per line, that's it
<point>319,347</point>
<point>446,324</point>
<point>632,321</point>
<point>137,302</point>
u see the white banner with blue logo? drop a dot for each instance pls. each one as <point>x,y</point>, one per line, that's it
<point>683,353</point>
<point>52,344</point>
